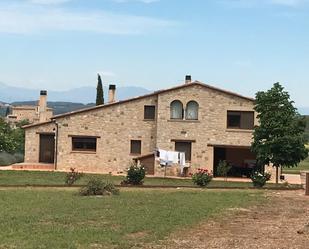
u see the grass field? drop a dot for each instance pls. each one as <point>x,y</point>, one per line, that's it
<point>58,218</point>
<point>304,165</point>
<point>11,177</point>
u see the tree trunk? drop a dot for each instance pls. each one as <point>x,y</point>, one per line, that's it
<point>277,174</point>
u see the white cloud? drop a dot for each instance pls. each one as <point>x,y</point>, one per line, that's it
<point>28,19</point>
<point>47,2</point>
<point>107,73</point>
<point>257,3</point>
<point>292,3</point>
<point>141,1</point>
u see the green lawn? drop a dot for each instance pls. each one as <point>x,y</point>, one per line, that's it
<point>58,218</point>
<point>13,177</point>
<point>304,165</point>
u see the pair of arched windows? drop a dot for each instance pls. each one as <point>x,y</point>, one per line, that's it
<point>189,113</point>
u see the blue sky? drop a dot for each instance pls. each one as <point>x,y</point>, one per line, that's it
<point>239,45</point>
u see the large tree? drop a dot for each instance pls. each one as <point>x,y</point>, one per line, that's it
<point>100,94</point>
<point>12,139</point>
<point>279,138</point>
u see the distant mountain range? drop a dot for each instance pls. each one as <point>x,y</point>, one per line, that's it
<point>77,98</point>
<point>83,95</point>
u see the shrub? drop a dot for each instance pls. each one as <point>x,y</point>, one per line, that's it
<point>202,177</point>
<point>8,159</point>
<point>135,175</point>
<point>97,186</point>
<point>267,176</point>
<point>223,169</point>
<point>259,179</point>
<point>72,176</point>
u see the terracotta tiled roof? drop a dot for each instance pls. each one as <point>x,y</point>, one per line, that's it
<point>198,83</point>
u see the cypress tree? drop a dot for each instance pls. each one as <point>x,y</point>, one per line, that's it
<point>7,112</point>
<point>100,93</point>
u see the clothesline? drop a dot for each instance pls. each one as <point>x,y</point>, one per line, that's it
<point>168,158</point>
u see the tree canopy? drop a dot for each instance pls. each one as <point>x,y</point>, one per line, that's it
<point>12,139</point>
<point>100,94</point>
<point>279,139</point>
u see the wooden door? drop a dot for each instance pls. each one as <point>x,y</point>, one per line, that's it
<point>47,148</point>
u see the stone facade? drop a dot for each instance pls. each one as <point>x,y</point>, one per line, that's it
<point>34,114</point>
<point>114,125</point>
<point>30,113</point>
<point>32,140</point>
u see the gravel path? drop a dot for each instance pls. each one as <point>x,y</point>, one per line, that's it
<point>281,222</point>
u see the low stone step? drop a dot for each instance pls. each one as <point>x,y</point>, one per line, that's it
<point>24,166</point>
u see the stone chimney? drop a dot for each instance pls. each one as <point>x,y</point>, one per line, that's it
<point>43,106</point>
<point>188,79</point>
<point>111,93</point>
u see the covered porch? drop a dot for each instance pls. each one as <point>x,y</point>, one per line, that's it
<point>240,158</point>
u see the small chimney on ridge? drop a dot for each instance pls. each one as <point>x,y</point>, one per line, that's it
<point>43,106</point>
<point>111,93</point>
<point>188,79</point>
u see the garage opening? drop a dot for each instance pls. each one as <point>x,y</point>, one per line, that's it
<point>242,160</point>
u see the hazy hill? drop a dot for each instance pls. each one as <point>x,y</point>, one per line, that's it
<point>58,106</point>
<point>84,95</point>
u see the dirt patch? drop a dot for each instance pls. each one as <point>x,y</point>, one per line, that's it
<point>137,235</point>
<point>280,223</point>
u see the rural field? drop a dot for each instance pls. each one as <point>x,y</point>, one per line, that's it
<point>153,218</point>
<point>304,165</point>
<point>280,222</point>
<point>59,218</point>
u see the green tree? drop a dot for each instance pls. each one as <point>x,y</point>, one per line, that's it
<point>7,142</point>
<point>7,111</point>
<point>279,139</point>
<point>223,169</point>
<point>12,140</point>
<point>100,94</point>
<point>18,135</point>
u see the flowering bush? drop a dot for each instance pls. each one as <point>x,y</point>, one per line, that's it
<point>202,177</point>
<point>97,186</point>
<point>259,179</point>
<point>267,175</point>
<point>72,176</point>
<point>135,175</point>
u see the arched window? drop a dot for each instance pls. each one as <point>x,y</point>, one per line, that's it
<point>176,110</point>
<point>192,110</point>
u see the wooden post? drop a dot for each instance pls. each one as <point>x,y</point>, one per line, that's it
<point>307,184</point>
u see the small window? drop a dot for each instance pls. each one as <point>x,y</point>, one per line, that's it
<point>185,147</point>
<point>240,120</point>
<point>149,112</point>
<point>176,110</point>
<point>192,110</point>
<point>84,144</point>
<point>136,147</point>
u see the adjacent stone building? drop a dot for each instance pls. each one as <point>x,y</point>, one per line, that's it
<point>34,114</point>
<point>207,123</point>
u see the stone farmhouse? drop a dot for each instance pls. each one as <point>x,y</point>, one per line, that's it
<point>34,114</point>
<point>207,123</point>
